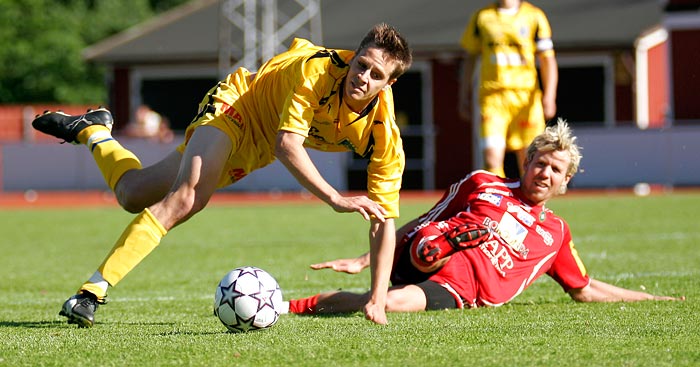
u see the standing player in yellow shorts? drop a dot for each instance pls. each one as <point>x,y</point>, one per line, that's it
<point>507,36</point>
<point>309,96</point>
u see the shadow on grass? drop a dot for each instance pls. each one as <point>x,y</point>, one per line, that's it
<point>194,333</point>
<point>32,324</point>
<point>63,325</point>
<point>333,315</point>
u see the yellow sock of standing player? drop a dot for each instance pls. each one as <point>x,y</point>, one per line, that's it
<point>500,172</point>
<point>112,158</point>
<point>137,241</point>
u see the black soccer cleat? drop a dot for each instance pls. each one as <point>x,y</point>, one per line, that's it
<point>67,127</point>
<point>80,309</point>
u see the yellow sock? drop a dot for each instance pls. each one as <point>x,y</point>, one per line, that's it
<point>97,286</point>
<point>498,171</point>
<point>85,133</point>
<point>139,238</point>
<point>112,158</point>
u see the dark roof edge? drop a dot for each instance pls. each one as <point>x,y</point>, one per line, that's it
<point>160,21</point>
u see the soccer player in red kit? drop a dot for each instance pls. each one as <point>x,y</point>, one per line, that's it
<point>485,242</point>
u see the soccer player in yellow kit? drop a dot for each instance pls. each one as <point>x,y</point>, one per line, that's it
<point>507,35</point>
<point>309,96</point>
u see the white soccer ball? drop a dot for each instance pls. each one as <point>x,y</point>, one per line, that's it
<point>246,299</point>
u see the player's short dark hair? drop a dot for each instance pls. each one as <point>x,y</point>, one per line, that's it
<point>389,39</point>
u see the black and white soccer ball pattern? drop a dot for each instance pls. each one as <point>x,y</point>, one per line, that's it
<point>247,298</point>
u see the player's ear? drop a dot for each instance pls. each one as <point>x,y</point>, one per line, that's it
<point>389,83</point>
<point>564,185</point>
<point>567,179</point>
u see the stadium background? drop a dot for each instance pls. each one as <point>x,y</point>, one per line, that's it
<point>628,85</point>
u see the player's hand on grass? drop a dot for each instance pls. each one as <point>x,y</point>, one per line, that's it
<point>350,266</point>
<point>361,204</point>
<point>375,313</point>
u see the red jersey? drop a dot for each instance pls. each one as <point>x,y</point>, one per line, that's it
<point>527,241</point>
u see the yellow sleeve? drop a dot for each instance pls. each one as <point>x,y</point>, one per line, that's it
<point>388,160</point>
<point>470,41</point>
<point>298,109</point>
<point>544,44</point>
<point>310,83</point>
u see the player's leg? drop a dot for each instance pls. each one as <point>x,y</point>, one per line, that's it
<point>135,188</point>
<point>436,296</point>
<point>530,122</point>
<point>329,303</point>
<point>494,155</point>
<point>140,188</point>
<point>401,298</point>
<point>494,127</point>
<point>406,298</point>
<point>202,163</point>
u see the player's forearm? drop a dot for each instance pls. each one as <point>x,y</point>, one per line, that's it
<point>550,77</point>
<point>598,291</point>
<point>382,244</point>
<point>290,151</point>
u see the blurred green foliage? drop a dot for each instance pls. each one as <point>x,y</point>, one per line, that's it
<point>42,42</point>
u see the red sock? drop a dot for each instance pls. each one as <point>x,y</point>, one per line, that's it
<point>304,306</point>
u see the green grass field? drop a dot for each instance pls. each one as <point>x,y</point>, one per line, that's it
<point>161,314</point>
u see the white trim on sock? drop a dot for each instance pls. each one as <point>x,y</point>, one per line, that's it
<point>97,137</point>
<point>99,281</point>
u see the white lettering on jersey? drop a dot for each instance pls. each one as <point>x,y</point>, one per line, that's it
<point>492,190</point>
<point>546,236</point>
<point>512,232</point>
<point>494,199</point>
<point>508,59</point>
<point>521,214</point>
<point>499,256</point>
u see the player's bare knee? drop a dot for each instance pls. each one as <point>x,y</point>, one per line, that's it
<point>185,202</point>
<point>199,201</point>
<point>393,302</point>
<point>128,200</point>
<point>402,302</point>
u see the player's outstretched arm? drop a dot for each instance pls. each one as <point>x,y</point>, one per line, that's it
<point>350,266</point>
<point>598,291</point>
<point>381,252</point>
<point>290,151</point>
<point>357,264</point>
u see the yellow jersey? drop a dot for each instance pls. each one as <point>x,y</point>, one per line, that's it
<point>508,42</point>
<point>301,91</point>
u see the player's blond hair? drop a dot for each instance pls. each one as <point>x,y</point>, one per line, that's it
<point>557,137</point>
<point>387,38</point>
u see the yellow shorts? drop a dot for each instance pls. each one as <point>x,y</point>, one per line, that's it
<point>511,119</point>
<point>220,108</point>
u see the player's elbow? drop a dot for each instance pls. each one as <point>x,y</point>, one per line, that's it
<point>284,145</point>
<point>280,150</point>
